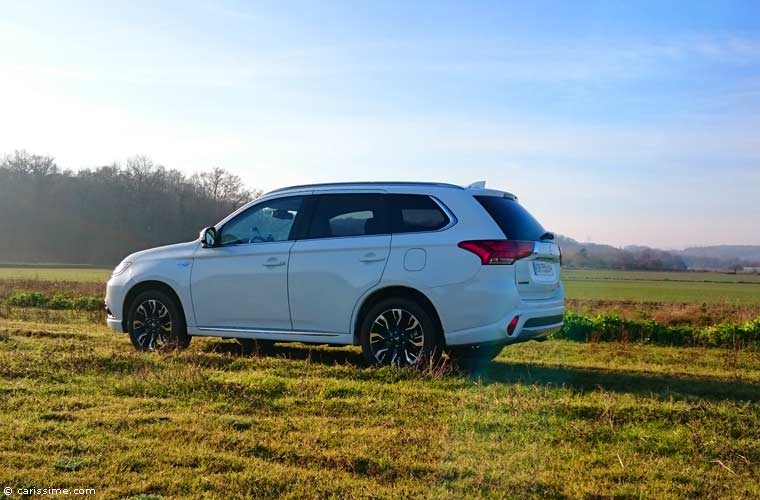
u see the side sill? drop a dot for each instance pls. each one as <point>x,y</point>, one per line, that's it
<point>275,335</point>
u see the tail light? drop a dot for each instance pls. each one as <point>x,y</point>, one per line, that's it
<point>498,251</point>
<point>512,325</point>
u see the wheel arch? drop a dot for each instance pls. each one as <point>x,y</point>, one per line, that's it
<point>143,286</point>
<point>392,292</point>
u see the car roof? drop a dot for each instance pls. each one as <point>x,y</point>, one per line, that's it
<point>476,188</point>
<point>368,184</point>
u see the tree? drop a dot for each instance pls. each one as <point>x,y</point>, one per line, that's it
<point>21,162</point>
<point>98,216</point>
<point>220,185</point>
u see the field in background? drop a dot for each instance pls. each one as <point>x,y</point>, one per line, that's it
<point>684,287</point>
<point>580,283</point>
<point>80,408</point>
<point>73,274</point>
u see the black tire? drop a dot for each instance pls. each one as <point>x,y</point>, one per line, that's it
<point>155,322</point>
<point>476,357</point>
<point>253,347</point>
<point>408,324</point>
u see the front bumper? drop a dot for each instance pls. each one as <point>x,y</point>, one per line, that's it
<point>115,324</point>
<point>115,292</point>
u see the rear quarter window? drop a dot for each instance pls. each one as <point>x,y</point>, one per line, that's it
<point>516,222</point>
<point>411,213</point>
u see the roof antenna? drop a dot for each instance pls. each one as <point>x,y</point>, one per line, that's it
<point>477,185</point>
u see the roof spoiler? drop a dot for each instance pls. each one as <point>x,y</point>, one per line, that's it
<point>481,187</point>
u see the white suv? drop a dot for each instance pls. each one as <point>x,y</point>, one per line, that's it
<point>406,270</point>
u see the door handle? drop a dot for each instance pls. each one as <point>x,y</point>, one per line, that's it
<point>274,262</point>
<point>371,257</point>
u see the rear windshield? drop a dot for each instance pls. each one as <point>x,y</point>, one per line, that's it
<point>512,218</point>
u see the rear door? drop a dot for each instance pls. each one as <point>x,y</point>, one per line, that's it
<point>536,276</point>
<point>341,256</point>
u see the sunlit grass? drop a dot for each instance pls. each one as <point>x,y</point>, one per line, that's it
<point>71,274</point>
<point>79,407</point>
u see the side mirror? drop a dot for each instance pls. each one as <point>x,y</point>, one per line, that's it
<point>208,237</point>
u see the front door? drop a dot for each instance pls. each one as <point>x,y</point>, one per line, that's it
<point>243,282</point>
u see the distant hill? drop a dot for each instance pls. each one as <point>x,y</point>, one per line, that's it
<point>744,252</point>
<point>599,256</point>
<point>722,256</point>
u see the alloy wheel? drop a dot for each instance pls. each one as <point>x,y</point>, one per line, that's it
<point>396,338</point>
<point>152,325</point>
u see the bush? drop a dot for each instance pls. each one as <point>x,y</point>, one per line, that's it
<point>611,327</point>
<point>87,303</point>
<point>59,301</point>
<point>55,301</point>
<point>28,299</point>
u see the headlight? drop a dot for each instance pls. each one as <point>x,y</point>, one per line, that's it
<point>121,268</point>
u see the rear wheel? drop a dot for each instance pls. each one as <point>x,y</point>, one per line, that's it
<point>155,322</point>
<point>398,332</point>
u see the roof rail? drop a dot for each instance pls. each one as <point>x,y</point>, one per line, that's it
<point>367,183</point>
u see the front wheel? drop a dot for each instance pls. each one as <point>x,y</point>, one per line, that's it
<point>398,332</point>
<point>155,322</point>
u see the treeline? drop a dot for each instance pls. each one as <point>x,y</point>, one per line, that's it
<point>724,258</point>
<point>98,216</point>
<point>595,256</point>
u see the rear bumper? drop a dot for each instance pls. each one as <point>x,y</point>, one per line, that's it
<point>537,320</point>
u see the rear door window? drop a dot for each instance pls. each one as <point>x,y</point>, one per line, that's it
<point>516,222</point>
<point>341,215</point>
<point>411,213</point>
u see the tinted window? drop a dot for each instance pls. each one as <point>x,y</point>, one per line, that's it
<point>512,218</point>
<point>413,213</point>
<point>264,222</point>
<point>337,215</point>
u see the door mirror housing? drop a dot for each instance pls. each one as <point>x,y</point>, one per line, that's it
<point>208,237</point>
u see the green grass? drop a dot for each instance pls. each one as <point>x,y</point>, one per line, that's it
<point>687,276</point>
<point>661,287</point>
<point>80,408</point>
<point>643,286</point>
<point>580,284</point>
<point>88,275</point>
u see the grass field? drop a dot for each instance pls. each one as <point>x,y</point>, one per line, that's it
<point>580,284</point>
<point>80,408</point>
<point>70,274</point>
<point>684,287</point>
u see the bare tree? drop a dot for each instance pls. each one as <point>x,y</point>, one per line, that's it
<point>22,162</point>
<point>221,185</point>
<point>98,216</point>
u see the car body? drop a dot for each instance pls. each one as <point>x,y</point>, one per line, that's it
<point>305,263</point>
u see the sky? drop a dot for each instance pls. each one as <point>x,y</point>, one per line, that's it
<point>614,122</point>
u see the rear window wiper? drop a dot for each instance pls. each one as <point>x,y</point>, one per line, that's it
<point>547,236</point>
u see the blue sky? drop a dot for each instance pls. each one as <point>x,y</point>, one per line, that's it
<point>624,124</point>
